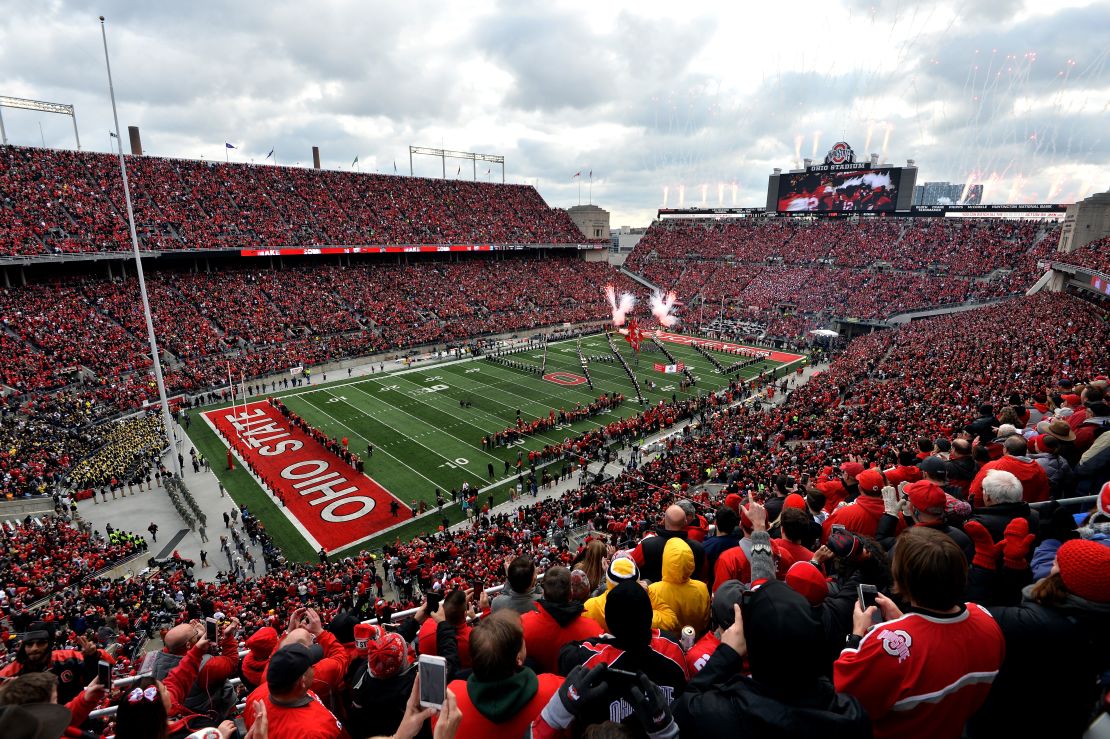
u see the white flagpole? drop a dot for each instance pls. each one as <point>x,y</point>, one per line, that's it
<point>167,421</point>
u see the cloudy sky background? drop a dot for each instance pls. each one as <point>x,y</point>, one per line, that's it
<point>666,102</point>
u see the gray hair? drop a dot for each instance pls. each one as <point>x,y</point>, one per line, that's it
<point>1000,486</point>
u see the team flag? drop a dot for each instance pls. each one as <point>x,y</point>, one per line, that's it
<point>354,162</point>
<point>270,154</point>
<point>229,146</point>
<point>577,174</point>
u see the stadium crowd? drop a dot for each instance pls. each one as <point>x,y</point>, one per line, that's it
<point>819,269</point>
<point>58,201</point>
<point>911,466</point>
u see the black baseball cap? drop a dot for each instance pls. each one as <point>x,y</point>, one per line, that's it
<point>289,663</point>
<point>934,466</point>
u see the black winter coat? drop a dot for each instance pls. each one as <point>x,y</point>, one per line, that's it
<point>1047,685</point>
<point>719,702</point>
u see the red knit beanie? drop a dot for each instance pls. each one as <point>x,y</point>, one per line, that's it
<point>1085,568</point>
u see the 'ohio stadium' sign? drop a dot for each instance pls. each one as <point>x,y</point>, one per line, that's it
<point>332,504</point>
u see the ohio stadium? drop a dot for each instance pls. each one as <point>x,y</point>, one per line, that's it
<point>418,440</point>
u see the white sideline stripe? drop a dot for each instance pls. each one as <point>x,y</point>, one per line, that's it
<point>971,678</point>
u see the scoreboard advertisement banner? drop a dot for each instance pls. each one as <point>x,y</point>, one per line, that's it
<point>830,190</point>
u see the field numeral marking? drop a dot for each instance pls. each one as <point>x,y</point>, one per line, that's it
<point>338,399</point>
<point>459,462</point>
<point>437,378</point>
<point>387,388</point>
<point>473,369</point>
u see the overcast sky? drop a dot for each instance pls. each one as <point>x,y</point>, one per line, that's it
<point>666,102</point>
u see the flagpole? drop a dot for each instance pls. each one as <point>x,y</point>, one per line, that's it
<point>167,422</point>
<point>591,187</point>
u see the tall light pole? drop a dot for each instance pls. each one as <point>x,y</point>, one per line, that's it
<point>167,421</point>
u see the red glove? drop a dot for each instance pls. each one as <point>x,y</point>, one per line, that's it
<point>1016,543</point>
<point>986,551</point>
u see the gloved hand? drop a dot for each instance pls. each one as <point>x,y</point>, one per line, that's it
<point>652,709</point>
<point>890,501</point>
<point>986,551</point>
<point>1016,541</point>
<point>581,688</point>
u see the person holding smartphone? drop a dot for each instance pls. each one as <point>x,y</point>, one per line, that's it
<point>924,672</point>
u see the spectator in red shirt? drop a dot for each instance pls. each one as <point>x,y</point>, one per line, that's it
<point>293,711</point>
<point>926,671</point>
<point>501,697</point>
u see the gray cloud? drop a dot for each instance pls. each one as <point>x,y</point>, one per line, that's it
<point>559,87</point>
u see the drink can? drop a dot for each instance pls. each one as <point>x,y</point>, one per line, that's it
<point>687,638</point>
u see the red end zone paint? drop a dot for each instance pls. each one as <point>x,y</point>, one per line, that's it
<point>329,501</point>
<point>565,378</point>
<point>725,346</point>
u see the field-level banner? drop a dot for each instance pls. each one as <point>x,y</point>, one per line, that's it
<point>331,503</point>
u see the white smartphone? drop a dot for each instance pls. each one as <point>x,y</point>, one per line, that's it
<point>433,681</point>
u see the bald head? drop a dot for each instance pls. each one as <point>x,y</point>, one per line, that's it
<point>296,636</point>
<point>674,519</point>
<point>180,638</point>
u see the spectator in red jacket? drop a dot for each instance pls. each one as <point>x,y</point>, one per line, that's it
<point>1034,480</point>
<point>211,692</point>
<point>862,515</point>
<point>557,620</point>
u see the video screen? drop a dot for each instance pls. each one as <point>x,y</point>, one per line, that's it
<point>858,190</point>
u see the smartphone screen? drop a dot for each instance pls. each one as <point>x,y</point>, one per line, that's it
<point>433,681</point>
<point>104,673</point>
<point>210,629</point>
<point>867,595</point>
<point>838,527</point>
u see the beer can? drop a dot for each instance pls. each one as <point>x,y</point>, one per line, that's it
<point>687,638</point>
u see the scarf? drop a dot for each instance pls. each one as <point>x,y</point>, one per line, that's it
<point>500,700</point>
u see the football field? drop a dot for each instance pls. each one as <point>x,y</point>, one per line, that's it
<point>426,423</point>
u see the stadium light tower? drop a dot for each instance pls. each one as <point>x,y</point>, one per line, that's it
<point>167,422</point>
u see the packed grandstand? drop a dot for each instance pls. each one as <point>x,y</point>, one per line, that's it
<point>891,548</point>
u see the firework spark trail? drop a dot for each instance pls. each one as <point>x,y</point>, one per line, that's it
<point>621,306</point>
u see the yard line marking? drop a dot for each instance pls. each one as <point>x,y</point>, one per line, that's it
<point>352,432</point>
<point>433,451</point>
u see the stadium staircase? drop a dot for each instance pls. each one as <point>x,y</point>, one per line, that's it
<point>642,280</point>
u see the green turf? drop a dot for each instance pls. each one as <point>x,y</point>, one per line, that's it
<point>423,439</point>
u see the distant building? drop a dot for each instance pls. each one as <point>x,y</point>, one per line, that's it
<point>622,241</point>
<point>591,220</point>
<point>1085,221</point>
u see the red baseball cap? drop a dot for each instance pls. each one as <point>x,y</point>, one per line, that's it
<point>870,481</point>
<point>796,501</point>
<point>927,497</point>
<point>851,469</point>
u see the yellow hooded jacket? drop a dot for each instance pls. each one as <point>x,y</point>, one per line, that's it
<point>662,617</point>
<point>687,599</point>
